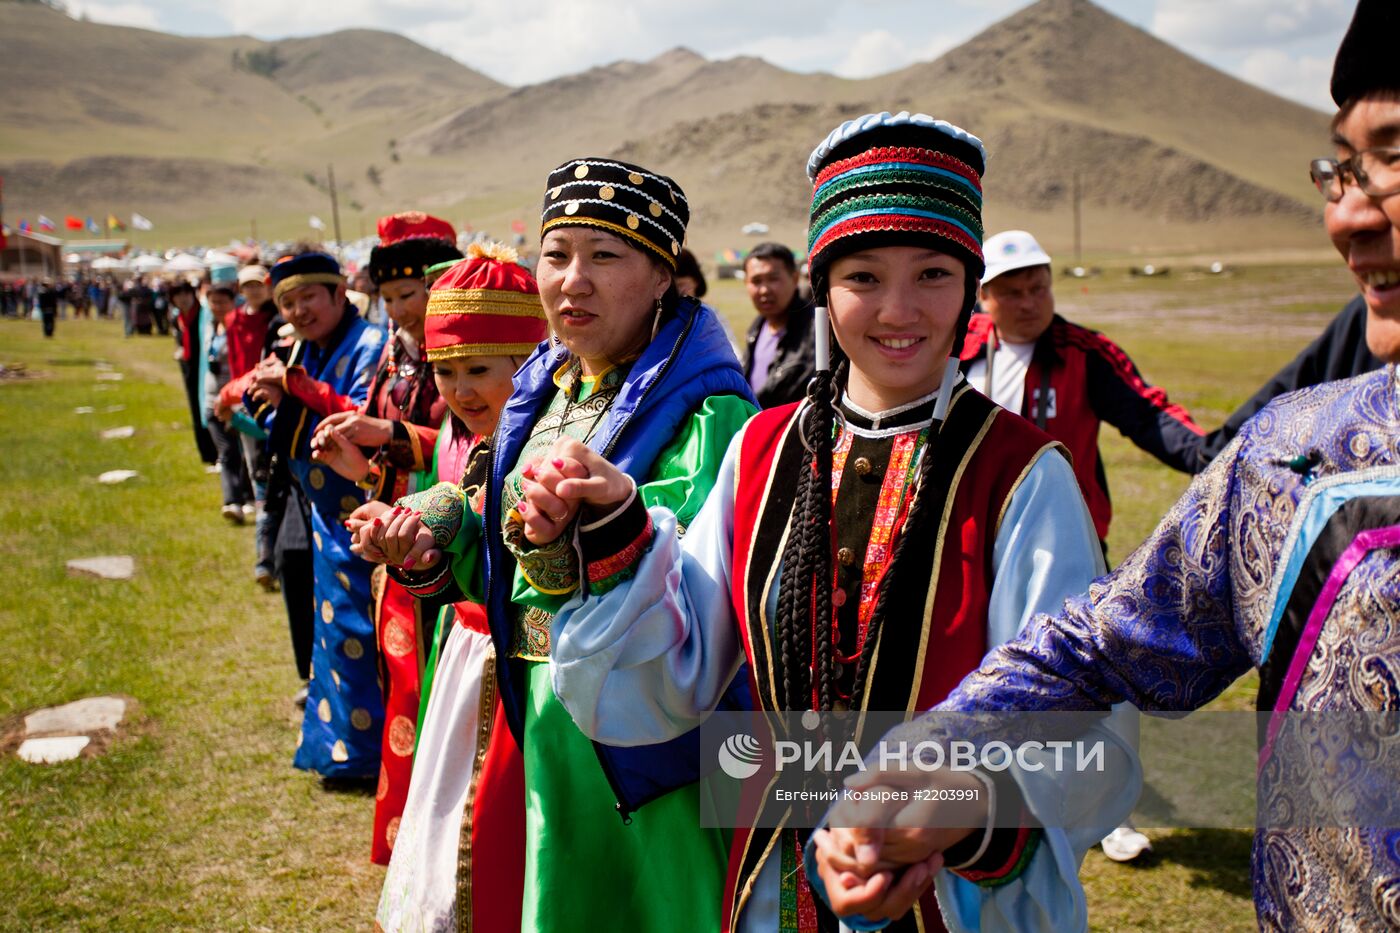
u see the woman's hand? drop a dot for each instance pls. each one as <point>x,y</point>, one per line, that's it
<point>402,538</point>
<point>270,371</point>
<point>565,480</point>
<point>360,542</point>
<point>360,430</point>
<point>333,450</point>
<point>856,886</point>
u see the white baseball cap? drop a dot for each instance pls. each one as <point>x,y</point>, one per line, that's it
<point>1009,251</point>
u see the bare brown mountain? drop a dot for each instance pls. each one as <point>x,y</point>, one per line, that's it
<point>1169,152</point>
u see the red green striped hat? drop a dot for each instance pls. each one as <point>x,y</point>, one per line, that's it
<point>896,180</point>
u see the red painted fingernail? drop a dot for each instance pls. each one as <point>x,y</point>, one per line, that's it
<point>408,563</point>
<point>522,507</point>
<point>529,471</point>
<point>378,523</point>
<point>558,464</point>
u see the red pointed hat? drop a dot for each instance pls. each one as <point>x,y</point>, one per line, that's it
<point>485,305</point>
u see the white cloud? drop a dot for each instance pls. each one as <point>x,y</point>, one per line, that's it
<point>1303,78</point>
<point>880,52</point>
<point>1244,24</point>
<point>117,14</point>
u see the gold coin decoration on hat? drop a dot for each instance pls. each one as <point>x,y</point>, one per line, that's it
<point>338,752</point>
<point>344,580</point>
<point>327,611</point>
<point>555,192</point>
<point>323,710</point>
<point>675,248</point>
<point>335,676</point>
<point>606,192</point>
<point>349,503</point>
<point>571,208</point>
<point>655,209</point>
<point>317,478</point>
<point>382,790</point>
<point>634,178</point>
<point>359,718</point>
<point>353,649</point>
<point>633,222</point>
<point>581,171</point>
<point>316,536</point>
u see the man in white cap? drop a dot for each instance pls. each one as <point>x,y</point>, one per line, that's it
<point>1067,379</point>
<point>1063,377</point>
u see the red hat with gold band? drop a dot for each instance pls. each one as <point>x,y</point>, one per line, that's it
<point>410,242</point>
<point>485,305</point>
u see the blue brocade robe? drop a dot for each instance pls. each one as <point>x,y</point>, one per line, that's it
<point>1228,581</point>
<point>344,720</point>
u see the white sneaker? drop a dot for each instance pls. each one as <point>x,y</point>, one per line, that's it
<point>1125,844</point>
<point>250,511</point>
<point>233,513</point>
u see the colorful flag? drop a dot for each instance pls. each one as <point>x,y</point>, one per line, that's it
<point>316,223</point>
<point>73,223</point>
<point>46,224</point>
<point>140,223</point>
<point>114,223</point>
<point>24,226</point>
<point>92,227</point>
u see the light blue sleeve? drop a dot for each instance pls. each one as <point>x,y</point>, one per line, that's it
<point>1046,551</point>
<point>650,659</point>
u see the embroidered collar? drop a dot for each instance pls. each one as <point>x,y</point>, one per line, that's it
<point>570,378</point>
<point>911,416</point>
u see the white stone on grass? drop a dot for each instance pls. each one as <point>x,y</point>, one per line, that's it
<point>90,714</point>
<point>112,477</point>
<point>113,408</point>
<point>84,410</point>
<point>117,434</point>
<point>110,377</point>
<point>51,750</point>
<point>108,568</point>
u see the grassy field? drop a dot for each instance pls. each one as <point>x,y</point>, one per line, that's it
<point>196,820</point>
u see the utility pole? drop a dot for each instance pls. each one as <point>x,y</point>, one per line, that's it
<point>335,206</point>
<point>1078,252</point>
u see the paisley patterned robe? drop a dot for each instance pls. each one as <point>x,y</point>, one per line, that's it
<point>1281,556</point>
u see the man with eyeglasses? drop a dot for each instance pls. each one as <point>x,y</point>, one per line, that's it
<point>1282,557</point>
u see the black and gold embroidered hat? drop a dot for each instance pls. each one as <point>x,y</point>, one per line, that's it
<point>648,209</point>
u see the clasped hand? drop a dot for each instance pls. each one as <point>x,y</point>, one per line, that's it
<point>570,477</point>
<point>871,840</point>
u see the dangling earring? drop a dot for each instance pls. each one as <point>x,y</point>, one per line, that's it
<point>656,320</point>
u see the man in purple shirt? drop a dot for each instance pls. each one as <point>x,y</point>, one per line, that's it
<point>779,352</point>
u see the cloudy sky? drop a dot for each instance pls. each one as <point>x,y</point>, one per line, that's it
<point>1285,46</point>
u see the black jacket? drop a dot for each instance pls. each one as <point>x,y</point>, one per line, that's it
<point>796,359</point>
<point>1340,352</point>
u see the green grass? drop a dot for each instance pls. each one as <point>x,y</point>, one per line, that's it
<point>196,819</point>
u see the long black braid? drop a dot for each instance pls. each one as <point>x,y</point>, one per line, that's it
<point>804,589</point>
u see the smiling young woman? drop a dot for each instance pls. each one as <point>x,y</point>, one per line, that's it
<point>823,531</point>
